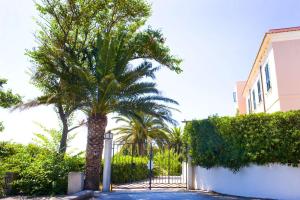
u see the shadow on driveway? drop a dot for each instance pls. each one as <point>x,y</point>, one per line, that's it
<point>163,195</point>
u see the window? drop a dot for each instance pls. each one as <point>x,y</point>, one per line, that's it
<point>234,97</point>
<point>253,98</point>
<point>268,81</point>
<point>259,91</point>
<point>249,105</point>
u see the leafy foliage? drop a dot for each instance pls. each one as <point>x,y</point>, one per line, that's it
<point>236,142</point>
<point>7,98</point>
<point>167,162</point>
<point>48,174</point>
<point>39,171</point>
<point>6,149</point>
<point>175,139</point>
<point>128,169</point>
<point>50,139</point>
<point>64,24</point>
<point>138,130</point>
<point>83,61</point>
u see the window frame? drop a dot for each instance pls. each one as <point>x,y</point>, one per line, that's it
<point>249,105</point>
<point>268,77</point>
<point>253,99</point>
<point>234,97</point>
<point>259,89</point>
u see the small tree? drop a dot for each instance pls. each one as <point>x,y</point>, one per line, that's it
<point>64,24</point>
<point>7,98</point>
<point>50,138</point>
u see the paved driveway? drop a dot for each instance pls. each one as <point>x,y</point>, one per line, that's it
<point>156,182</point>
<point>164,196</point>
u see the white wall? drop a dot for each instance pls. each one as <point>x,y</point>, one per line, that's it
<point>272,181</point>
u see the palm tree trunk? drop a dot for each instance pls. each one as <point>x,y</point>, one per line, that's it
<point>133,150</point>
<point>96,129</point>
<point>141,148</point>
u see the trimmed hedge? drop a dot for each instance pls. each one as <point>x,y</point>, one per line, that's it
<point>236,142</point>
<point>124,171</point>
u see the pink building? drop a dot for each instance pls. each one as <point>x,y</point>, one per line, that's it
<point>273,83</point>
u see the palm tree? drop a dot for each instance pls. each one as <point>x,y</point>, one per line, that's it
<point>93,63</point>
<point>175,139</point>
<point>109,83</point>
<point>137,131</point>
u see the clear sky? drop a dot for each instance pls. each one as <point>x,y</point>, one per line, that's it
<point>217,39</point>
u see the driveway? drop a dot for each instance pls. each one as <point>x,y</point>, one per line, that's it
<point>158,195</point>
<point>156,182</point>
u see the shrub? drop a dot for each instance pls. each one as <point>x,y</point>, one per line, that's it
<point>127,169</point>
<point>235,142</point>
<point>1,185</point>
<point>167,162</point>
<point>47,174</point>
<point>40,171</point>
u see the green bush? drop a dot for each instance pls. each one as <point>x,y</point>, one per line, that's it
<point>236,142</point>
<point>39,171</point>
<point>127,169</point>
<point>1,185</point>
<point>167,162</point>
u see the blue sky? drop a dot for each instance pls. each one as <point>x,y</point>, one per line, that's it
<point>217,39</point>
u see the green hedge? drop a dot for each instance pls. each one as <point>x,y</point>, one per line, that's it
<point>164,166</point>
<point>236,142</point>
<point>123,171</point>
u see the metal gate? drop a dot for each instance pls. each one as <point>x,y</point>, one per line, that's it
<point>147,166</point>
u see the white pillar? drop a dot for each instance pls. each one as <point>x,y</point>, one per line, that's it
<point>190,174</point>
<point>107,165</point>
<point>75,182</point>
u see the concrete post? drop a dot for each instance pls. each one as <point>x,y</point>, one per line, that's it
<point>107,165</point>
<point>190,174</point>
<point>184,172</point>
<point>75,182</point>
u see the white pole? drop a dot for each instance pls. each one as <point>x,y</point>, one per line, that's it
<point>190,174</point>
<point>107,165</point>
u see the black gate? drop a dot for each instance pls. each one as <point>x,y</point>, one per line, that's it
<point>146,165</point>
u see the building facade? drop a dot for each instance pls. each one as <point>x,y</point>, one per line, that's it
<point>273,83</point>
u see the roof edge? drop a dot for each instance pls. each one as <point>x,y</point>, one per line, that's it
<point>270,32</point>
<point>280,30</point>
<point>255,60</point>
